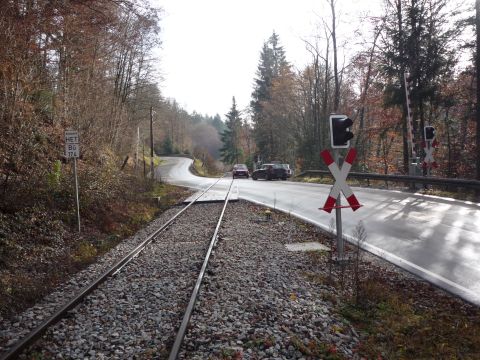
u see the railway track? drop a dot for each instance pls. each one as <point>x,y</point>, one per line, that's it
<point>134,308</point>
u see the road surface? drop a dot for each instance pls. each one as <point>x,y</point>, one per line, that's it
<point>435,238</point>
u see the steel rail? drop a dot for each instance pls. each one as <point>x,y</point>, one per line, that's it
<point>462,183</point>
<point>193,299</point>
<point>21,345</point>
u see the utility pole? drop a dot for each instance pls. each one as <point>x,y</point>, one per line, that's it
<point>151,143</point>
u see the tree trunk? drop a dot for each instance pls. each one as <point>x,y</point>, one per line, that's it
<point>477,68</point>
<point>336,96</point>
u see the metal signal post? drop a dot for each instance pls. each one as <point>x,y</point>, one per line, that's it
<point>340,136</point>
<point>338,214</point>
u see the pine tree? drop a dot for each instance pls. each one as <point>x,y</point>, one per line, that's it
<point>167,145</point>
<point>416,40</point>
<point>272,66</point>
<point>230,152</point>
<point>218,124</point>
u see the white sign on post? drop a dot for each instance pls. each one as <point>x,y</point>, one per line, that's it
<point>72,146</point>
<point>72,150</point>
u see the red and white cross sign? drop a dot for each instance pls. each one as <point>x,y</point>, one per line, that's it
<point>340,180</point>
<point>428,147</point>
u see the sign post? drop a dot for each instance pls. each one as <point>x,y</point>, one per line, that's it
<point>340,136</point>
<point>333,200</point>
<point>72,150</point>
<point>338,214</point>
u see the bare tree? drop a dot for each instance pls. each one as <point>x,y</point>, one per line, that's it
<point>477,68</point>
<point>333,31</point>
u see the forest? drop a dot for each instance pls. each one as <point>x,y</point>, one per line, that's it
<point>84,65</point>
<point>92,66</point>
<point>426,46</point>
<point>88,65</point>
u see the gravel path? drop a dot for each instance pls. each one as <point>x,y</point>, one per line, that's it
<point>258,300</point>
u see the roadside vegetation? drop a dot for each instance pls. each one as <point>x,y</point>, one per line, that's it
<point>90,66</point>
<point>40,245</point>
<point>207,168</point>
<point>396,314</point>
<point>405,319</point>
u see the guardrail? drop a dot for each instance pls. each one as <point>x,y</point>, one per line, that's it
<point>459,183</point>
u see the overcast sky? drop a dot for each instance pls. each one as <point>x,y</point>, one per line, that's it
<point>211,48</point>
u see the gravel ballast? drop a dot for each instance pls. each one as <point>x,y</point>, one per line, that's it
<point>258,301</point>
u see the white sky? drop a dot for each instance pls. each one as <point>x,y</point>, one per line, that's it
<point>211,48</point>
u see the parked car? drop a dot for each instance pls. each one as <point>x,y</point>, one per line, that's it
<point>270,172</point>
<point>240,170</point>
<point>289,171</point>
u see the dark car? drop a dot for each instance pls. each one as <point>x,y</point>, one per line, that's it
<point>240,170</point>
<point>270,172</point>
<point>289,171</point>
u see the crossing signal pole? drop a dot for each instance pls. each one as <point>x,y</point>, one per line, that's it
<point>410,135</point>
<point>340,136</point>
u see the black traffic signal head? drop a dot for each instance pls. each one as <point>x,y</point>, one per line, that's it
<point>340,131</point>
<point>429,132</point>
<point>408,82</point>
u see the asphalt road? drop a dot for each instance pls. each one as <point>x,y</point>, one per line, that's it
<point>435,238</point>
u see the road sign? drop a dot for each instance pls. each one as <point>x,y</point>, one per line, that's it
<point>340,181</point>
<point>71,137</point>
<point>429,161</point>
<point>72,144</point>
<point>72,150</point>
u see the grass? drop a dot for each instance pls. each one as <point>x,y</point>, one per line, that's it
<point>199,168</point>
<point>397,315</point>
<point>156,160</point>
<point>315,349</point>
<point>400,319</point>
<point>85,252</point>
<point>202,169</point>
<point>403,318</point>
<point>231,354</point>
<point>168,194</point>
<point>315,180</point>
<point>263,343</point>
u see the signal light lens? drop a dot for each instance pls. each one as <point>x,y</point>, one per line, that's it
<point>429,132</point>
<point>340,131</point>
